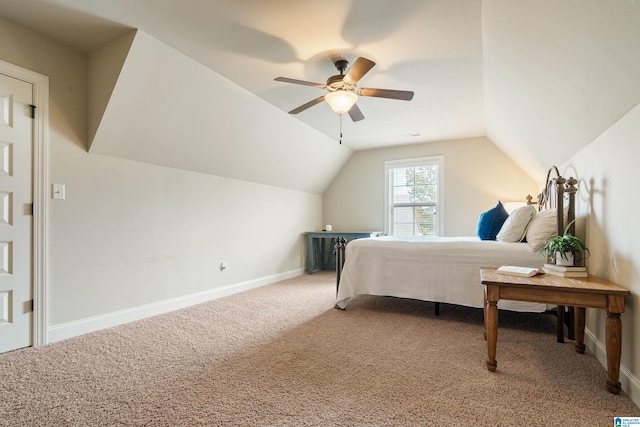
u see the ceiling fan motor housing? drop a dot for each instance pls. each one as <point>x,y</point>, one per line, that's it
<point>341,65</point>
<point>337,83</point>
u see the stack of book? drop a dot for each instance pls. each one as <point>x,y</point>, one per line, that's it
<point>564,271</point>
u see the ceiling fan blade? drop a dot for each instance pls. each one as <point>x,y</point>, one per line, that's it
<point>403,95</point>
<point>307,105</point>
<point>299,82</point>
<point>355,113</point>
<point>358,69</point>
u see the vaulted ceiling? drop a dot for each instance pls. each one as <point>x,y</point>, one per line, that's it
<point>540,79</point>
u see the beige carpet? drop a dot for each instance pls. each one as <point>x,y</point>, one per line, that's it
<point>282,356</point>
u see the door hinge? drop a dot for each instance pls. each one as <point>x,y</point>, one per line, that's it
<point>33,111</point>
<point>33,209</point>
<point>33,305</point>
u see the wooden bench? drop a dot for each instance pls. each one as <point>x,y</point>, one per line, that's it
<point>580,293</point>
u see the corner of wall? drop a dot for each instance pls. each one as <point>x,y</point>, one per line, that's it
<point>104,69</point>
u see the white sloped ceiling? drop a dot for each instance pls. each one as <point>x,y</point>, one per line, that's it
<point>557,74</point>
<point>168,109</point>
<point>541,79</point>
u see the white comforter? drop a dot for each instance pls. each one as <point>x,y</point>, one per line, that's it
<point>441,269</point>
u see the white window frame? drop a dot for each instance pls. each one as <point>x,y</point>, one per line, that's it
<point>420,161</point>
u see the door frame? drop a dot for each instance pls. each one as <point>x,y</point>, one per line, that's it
<point>40,84</point>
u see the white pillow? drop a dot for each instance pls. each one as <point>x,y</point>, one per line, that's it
<point>515,227</point>
<point>542,228</point>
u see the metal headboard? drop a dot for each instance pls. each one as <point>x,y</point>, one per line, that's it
<point>553,197</point>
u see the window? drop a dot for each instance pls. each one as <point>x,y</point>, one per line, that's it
<point>414,197</point>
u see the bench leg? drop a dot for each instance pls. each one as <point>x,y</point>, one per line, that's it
<point>492,334</point>
<point>614,350</point>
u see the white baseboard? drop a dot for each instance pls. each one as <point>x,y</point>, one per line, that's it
<point>84,326</point>
<point>630,384</point>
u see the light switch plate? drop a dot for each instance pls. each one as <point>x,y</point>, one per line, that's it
<point>57,191</point>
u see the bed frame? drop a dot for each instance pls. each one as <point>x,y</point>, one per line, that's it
<point>552,196</point>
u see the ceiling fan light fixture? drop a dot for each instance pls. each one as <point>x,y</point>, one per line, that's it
<point>341,101</point>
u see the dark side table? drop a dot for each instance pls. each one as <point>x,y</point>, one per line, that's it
<point>316,248</point>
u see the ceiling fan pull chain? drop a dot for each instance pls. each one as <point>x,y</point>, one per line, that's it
<point>340,129</point>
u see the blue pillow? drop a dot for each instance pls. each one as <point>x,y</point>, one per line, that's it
<point>491,221</point>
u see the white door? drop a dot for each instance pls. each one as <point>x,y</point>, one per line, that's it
<point>16,216</point>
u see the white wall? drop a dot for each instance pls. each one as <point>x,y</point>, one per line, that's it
<point>131,234</point>
<point>476,175</point>
<point>608,176</point>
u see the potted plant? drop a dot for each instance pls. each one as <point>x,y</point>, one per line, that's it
<point>566,249</point>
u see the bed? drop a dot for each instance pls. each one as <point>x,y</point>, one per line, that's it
<point>447,269</point>
<point>444,269</point>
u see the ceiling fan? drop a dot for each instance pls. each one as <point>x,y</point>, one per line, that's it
<point>342,90</point>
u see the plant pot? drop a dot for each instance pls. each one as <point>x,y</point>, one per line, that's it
<point>565,259</point>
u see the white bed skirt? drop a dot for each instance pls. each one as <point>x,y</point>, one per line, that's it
<point>442,269</point>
